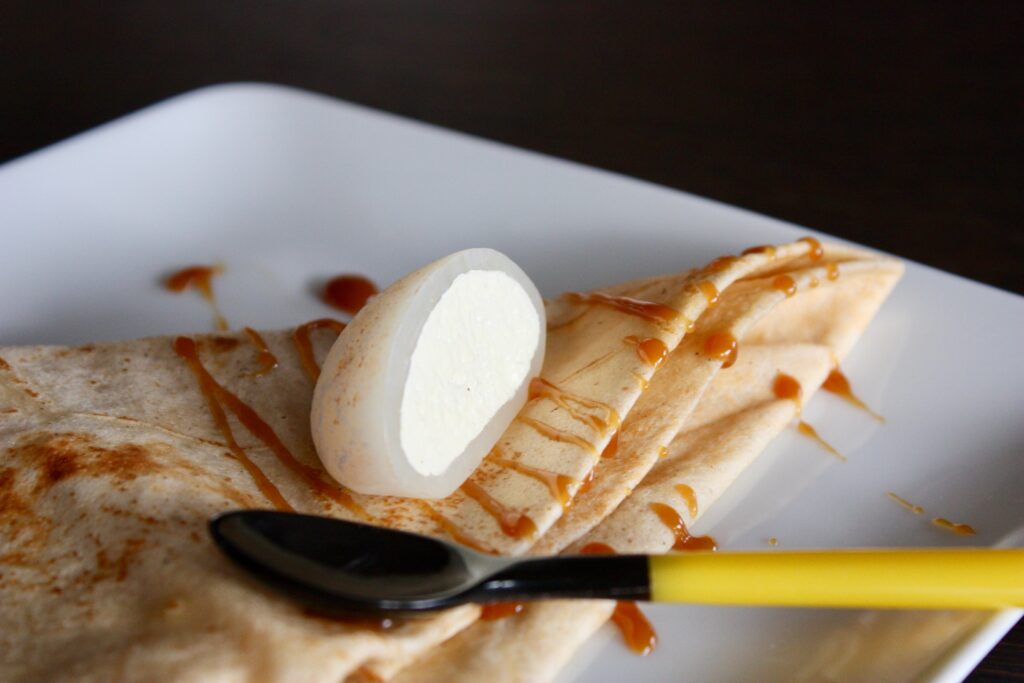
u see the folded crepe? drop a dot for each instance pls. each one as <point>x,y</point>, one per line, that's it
<point>115,456</point>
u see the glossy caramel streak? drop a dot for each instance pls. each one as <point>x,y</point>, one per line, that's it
<point>266,359</point>
<point>661,315</point>
<point>304,345</point>
<point>636,630</point>
<point>765,249</point>
<point>452,530</point>
<point>690,497</point>
<point>597,549</point>
<point>186,349</point>
<point>837,383</point>
<point>612,449</point>
<point>916,509</point>
<point>575,405</point>
<point>684,540</point>
<point>812,433</point>
<point>956,528</point>
<point>558,484</point>
<point>311,476</point>
<point>514,524</point>
<point>500,610</point>
<point>555,434</point>
<point>199,278</point>
<point>710,292</point>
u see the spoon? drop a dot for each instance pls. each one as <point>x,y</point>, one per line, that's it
<point>346,568</point>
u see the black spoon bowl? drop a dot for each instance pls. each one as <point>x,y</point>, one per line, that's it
<point>351,569</point>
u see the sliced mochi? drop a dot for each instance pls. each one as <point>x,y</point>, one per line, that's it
<point>426,378</point>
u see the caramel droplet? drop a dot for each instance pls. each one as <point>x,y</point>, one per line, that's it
<point>721,346</point>
<point>636,630</point>
<point>690,497</point>
<point>710,292</point>
<point>784,283</point>
<point>500,610</point>
<point>832,270</point>
<point>816,251</point>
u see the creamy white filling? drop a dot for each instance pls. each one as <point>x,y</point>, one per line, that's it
<point>472,355</point>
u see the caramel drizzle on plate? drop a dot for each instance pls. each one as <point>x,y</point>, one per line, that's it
<point>955,527</point>
<point>215,393</point>
<point>916,509</point>
<point>514,524</point>
<point>637,632</point>
<point>807,430</point>
<point>304,345</point>
<point>838,384</point>
<point>684,540</point>
<point>200,279</point>
<point>690,497</point>
<point>266,359</point>
<point>659,314</point>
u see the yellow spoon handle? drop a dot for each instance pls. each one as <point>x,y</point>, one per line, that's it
<point>969,578</point>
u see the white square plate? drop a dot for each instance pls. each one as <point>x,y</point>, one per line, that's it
<point>286,187</point>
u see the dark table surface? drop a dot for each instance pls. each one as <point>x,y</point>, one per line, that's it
<point>899,127</point>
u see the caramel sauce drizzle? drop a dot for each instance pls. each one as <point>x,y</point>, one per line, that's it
<point>500,610</point>
<point>349,293</point>
<point>710,292</point>
<point>765,249</point>
<point>266,359</point>
<point>651,351</point>
<point>541,388</point>
<point>916,509</point>
<point>809,431</point>
<point>816,251</point>
<point>684,540</point>
<point>837,383</point>
<point>661,315</point>
<point>612,449</point>
<point>199,278</point>
<point>304,345</point>
<point>556,434</point>
<point>832,270</point>
<point>514,524</point>
<point>586,484</point>
<point>662,452</point>
<point>784,283</point>
<point>452,530</point>
<point>814,282</point>
<point>721,346</point>
<point>636,630</point>
<point>250,419</point>
<point>186,349</point>
<point>558,484</point>
<point>690,497</point>
<point>956,528</point>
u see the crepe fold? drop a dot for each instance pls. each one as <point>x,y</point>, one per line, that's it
<point>114,456</point>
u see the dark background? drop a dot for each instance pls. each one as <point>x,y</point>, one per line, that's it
<point>901,127</point>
